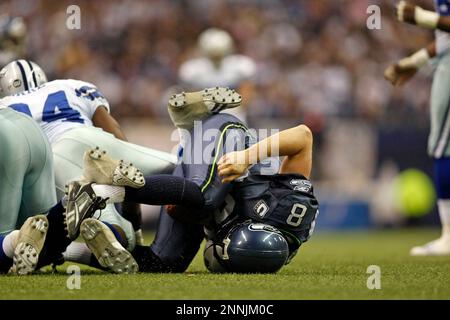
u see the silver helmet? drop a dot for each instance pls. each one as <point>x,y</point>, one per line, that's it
<point>20,75</point>
<point>216,42</point>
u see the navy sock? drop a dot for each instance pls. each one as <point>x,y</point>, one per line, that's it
<point>442,177</point>
<point>5,261</point>
<point>165,190</point>
<point>56,241</point>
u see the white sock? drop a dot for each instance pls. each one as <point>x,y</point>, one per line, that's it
<point>185,137</point>
<point>444,213</point>
<point>78,252</point>
<point>113,193</point>
<point>9,243</point>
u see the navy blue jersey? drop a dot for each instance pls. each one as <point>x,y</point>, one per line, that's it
<point>285,201</point>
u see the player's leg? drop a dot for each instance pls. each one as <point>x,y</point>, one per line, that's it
<point>69,168</point>
<point>199,188</point>
<point>14,163</point>
<point>38,189</point>
<point>14,160</point>
<point>69,156</point>
<point>24,162</point>
<point>439,149</point>
<point>38,197</point>
<point>149,161</point>
<point>102,239</point>
<point>174,247</point>
<point>75,142</point>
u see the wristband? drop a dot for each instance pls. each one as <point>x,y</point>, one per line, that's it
<point>417,60</point>
<point>426,19</point>
<point>400,10</point>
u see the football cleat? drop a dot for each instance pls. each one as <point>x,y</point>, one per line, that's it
<point>102,169</point>
<point>439,247</point>
<point>82,202</point>
<point>216,99</point>
<point>29,245</point>
<point>104,245</point>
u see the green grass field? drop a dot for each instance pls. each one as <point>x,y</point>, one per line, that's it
<point>330,266</point>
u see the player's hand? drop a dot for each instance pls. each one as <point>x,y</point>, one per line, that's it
<point>406,12</point>
<point>398,75</point>
<point>232,165</point>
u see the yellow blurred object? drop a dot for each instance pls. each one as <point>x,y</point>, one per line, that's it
<point>414,193</point>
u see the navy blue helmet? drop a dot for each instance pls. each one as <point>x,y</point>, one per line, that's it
<point>248,247</point>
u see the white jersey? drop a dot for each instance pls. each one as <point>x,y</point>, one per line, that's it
<point>201,73</point>
<point>58,106</point>
<point>442,37</point>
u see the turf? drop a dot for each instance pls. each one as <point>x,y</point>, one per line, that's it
<point>330,266</point>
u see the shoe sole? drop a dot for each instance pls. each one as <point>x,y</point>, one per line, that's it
<point>124,174</point>
<point>224,98</point>
<point>30,243</point>
<point>108,251</point>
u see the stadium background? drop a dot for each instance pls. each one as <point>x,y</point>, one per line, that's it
<point>317,63</point>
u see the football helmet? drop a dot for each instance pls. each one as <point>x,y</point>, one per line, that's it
<point>13,32</point>
<point>248,247</point>
<point>20,75</point>
<point>216,42</point>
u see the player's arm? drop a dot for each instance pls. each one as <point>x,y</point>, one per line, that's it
<point>102,119</point>
<point>402,71</point>
<point>413,14</point>
<point>295,144</point>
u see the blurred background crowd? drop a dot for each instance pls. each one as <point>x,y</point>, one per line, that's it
<point>316,62</point>
<point>314,58</point>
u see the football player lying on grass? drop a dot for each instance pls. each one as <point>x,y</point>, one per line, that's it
<point>255,224</point>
